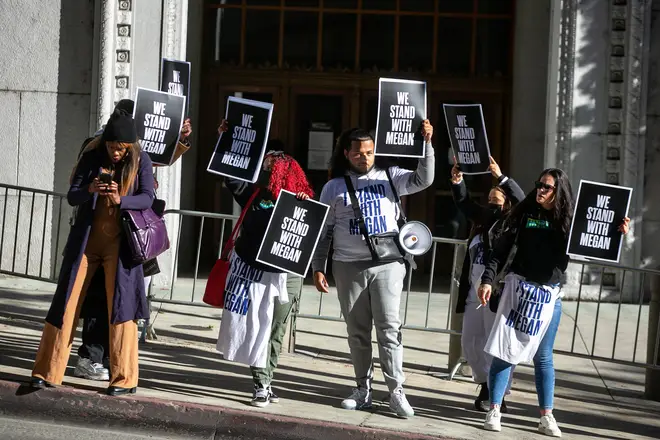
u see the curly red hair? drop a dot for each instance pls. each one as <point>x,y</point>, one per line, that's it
<point>287,174</point>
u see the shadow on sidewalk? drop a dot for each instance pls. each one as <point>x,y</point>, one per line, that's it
<point>196,371</point>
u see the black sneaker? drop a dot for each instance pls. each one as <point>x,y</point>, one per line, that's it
<point>503,409</point>
<point>261,397</point>
<point>482,403</point>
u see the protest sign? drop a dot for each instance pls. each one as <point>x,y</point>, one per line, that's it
<point>175,79</point>
<point>467,133</point>
<point>158,119</point>
<point>599,210</point>
<point>293,232</point>
<point>240,151</point>
<point>401,110</point>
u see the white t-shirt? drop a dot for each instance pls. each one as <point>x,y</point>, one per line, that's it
<point>477,267</point>
<point>523,316</point>
<point>248,313</point>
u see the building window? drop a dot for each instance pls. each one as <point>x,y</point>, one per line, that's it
<point>377,42</point>
<point>466,38</point>
<point>262,36</point>
<point>300,39</point>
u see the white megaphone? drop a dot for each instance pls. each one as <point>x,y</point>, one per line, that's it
<point>415,238</point>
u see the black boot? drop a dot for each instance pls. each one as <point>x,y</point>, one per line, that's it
<point>118,391</point>
<point>38,383</point>
<point>479,403</point>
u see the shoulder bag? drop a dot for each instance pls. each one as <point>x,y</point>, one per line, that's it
<point>383,247</point>
<point>214,294</point>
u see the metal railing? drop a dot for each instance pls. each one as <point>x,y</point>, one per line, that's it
<point>601,329</point>
<point>22,252</point>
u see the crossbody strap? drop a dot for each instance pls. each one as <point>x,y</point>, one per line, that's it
<point>402,217</point>
<point>234,233</point>
<point>359,217</point>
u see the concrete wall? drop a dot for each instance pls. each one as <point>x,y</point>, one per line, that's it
<point>651,209</point>
<point>532,43</point>
<point>45,85</point>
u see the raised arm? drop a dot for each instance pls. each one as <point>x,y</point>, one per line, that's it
<point>470,209</point>
<point>410,182</point>
<point>240,190</point>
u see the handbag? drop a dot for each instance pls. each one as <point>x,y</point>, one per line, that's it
<point>146,234</point>
<point>151,267</point>
<point>383,247</point>
<point>214,293</point>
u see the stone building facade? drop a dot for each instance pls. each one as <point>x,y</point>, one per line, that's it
<point>583,94</point>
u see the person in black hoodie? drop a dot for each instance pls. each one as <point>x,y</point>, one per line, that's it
<point>279,171</point>
<point>486,225</point>
<point>529,308</point>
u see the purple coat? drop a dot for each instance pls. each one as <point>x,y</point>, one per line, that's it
<point>130,300</point>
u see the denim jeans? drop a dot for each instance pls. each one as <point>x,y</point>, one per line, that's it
<point>544,370</point>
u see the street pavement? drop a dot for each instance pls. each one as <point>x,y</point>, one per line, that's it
<point>593,399</point>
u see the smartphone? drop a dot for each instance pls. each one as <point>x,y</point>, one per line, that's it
<point>105,178</point>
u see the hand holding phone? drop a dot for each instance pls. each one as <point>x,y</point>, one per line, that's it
<point>105,178</point>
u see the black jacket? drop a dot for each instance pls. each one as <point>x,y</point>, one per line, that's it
<point>255,222</point>
<point>541,249</point>
<point>479,215</point>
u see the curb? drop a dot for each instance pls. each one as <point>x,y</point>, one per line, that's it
<point>181,418</point>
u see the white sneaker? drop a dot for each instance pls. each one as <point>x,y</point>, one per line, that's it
<point>360,399</point>
<point>493,420</point>
<point>85,368</point>
<point>399,404</point>
<point>548,426</point>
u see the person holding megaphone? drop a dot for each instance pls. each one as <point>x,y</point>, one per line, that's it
<point>363,225</point>
<point>486,226</point>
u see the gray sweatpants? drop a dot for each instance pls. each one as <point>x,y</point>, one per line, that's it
<point>369,292</point>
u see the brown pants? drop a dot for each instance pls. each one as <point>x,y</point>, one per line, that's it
<point>55,346</point>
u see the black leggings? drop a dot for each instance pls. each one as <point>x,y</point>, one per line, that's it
<point>96,331</point>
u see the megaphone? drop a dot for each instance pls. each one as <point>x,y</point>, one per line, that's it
<point>415,238</point>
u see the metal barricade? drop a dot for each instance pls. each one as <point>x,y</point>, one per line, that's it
<point>600,318</point>
<point>435,325</point>
<point>30,240</point>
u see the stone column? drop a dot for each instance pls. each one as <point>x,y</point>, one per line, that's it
<point>601,115</point>
<point>174,32</point>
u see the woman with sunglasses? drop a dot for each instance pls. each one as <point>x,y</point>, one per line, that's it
<point>486,226</point>
<point>279,172</point>
<point>529,310</point>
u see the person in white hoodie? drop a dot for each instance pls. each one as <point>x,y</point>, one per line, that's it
<point>369,289</point>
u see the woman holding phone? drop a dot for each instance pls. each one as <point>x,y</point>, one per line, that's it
<point>96,240</point>
<point>539,227</point>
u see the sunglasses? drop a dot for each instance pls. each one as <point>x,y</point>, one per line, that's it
<point>541,185</point>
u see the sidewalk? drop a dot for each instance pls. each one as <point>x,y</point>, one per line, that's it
<point>184,381</point>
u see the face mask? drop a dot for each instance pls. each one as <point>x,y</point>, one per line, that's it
<point>495,209</point>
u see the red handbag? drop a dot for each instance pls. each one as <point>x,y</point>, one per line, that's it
<point>214,294</point>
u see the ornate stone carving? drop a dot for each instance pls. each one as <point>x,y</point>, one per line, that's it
<point>105,67</point>
<point>124,30</point>
<point>566,83</point>
<point>123,56</point>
